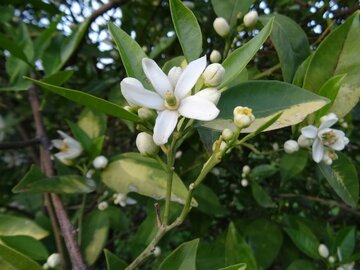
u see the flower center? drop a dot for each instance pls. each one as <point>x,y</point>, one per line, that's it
<point>64,147</point>
<point>171,102</point>
<point>329,138</point>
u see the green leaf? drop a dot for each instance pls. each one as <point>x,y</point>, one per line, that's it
<point>338,54</point>
<point>293,164</point>
<point>265,238</point>
<point>301,265</point>
<point>237,250</point>
<point>89,101</point>
<point>35,181</point>
<point>239,266</point>
<point>345,241</point>
<point>59,78</point>
<point>231,9</point>
<point>208,201</point>
<point>11,259</point>
<point>290,42</point>
<point>26,245</point>
<point>238,59</point>
<point>261,196</point>
<point>12,226</point>
<point>187,30</point>
<point>131,54</point>
<point>210,256</point>
<point>263,171</point>
<point>132,172</point>
<point>301,71</point>
<point>182,258</point>
<point>174,62</point>
<point>113,262</point>
<point>93,123</point>
<point>162,45</point>
<point>266,99</point>
<point>342,177</point>
<point>94,235</point>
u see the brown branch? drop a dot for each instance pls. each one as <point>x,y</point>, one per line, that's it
<point>18,145</point>
<point>46,166</point>
<point>104,8</point>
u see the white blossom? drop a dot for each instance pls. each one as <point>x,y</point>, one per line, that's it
<point>171,98</point>
<point>221,26</point>
<point>157,251</point>
<point>103,205</point>
<point>213,74</point>
<point>215,56</point>
<point>251,18</point>
<point>243,117</point>
<point>145,144</point>
<point>123,200</point>
<point>68,146</point>
<point>227,134</point>
<point>323,251</point>
<point>246,169</point>
<point>291,146</point>
<point>53,260</point>
<point>100,162</point>
<point>244,182</point>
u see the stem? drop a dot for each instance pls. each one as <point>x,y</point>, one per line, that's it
<point>267,72</point>
<point>18,145</point>
<point>170,170</point>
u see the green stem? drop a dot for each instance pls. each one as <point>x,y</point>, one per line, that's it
<point>267,72</point>
<point>170,159</point>
<point>81,215</point>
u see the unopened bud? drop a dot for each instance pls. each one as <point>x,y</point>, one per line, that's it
<point>246,169</point>
<point>251,18</point>
<point>146,114</point>
<point>323,251</point>
<point>174,75</point>
<point>145,144</point>
<point>157,251</point>
<point>100,162</point>
<point>53,260</point>
<point>211,94</point>
<point>304,142</point>
<point>215,56</point>
<point>243,117</point>
<point>331,259</point>
<point>227,134</point>
<point>244,182</point>
<point>214,74</point>
<point>221,26</point>
<point>291,146</point>
<point>103,205</point>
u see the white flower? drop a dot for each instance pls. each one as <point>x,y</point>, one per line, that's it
<point>243,117</point>
<point>251,18</point>
<point>275,146</point>
<point>157,251</point>
<point>2,128</point>
<point>246,169</point>
<point>103,205</point>
<point>304,142</point>
<point>53,260</point>
<point>145,144</point>
<point>227,134</point>
<point>68,146</point>
<point>349,266</point>
<point>331,259</point>
<point>100,162</point>
<point>323,251</point>
<point>324,136</point>
<point>178,154</point>
<point>171,98</point>
<point>213,74</point>
<point>221,26</point>
<point>244,182</point>
<point>45,266</point>
<point>291,146</point>
<point>123,200</point>
<point>215,56</point>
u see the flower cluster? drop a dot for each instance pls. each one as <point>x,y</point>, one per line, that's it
<point>172,97</point>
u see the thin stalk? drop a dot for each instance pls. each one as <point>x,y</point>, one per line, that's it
<point>81,215</point>
<point>170,170</point>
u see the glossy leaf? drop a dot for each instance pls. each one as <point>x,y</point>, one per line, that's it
<point>237,250</point>
<point>14,226</point>
<point>290,42</point>
<point>238,59</point>
<point>239,266</point>
<point>345,241</point>
<point>93,123</point>
<point>261,196</point>
<point>187,30</point>
<point>208,201</point>
<point>113,262</point>
<point>89,101</point>
<point>230,10</point>
<point>336,55</point>
<point>210,256</point>
<point>11,259</point>
<point>58,78</point>
<point>131,54</point>
<point>293,164</point>
<point>182,258</point>
<point>132,172</point>
<point>301,265</point>
<point>342,177</point>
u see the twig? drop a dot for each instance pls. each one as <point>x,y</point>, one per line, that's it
<point>267,72</point>
<point>324,33</point>
<point>104,8</point>
<point>46,166</point>
<point>18,145</point>
<point>158,214</point>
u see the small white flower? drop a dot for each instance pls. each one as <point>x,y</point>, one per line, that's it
<point>53,260</point>
<point>157,251</point>
<point>213,74</point>
<point>251,18</point>
<point>323,251</point>
<point>100,162</point>
<point>45,266</point>
<point>291,146</point>
<point>246,169</point>
<point>215,56</point>
<point>178,154</point>
<point>275,146</point>
<point>216,171</point>
<point>221,26</point>
<point>324,136</point>
<point>103,205</point>
<point>331,259</point>
<point>244,182</point>
<point>90,173</point>
<point>304,142</point>
<point>145,144</point>
<point>243,117</point>
<point>227,134</point>
<point>68,146</point>
<point>123,200</point>
<point>170,100</point>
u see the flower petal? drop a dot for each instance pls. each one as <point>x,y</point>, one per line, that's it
<point>341,141</point>
<point>164,125</point>
<point>198,108</point>
<point>156,76</point>
<point>57,143</point>
<point>211,94</point>
<point>189,77</point>
<point>328,120</point>
<point>317,151</point>
<point>309,132</point>
<point>136,94</point>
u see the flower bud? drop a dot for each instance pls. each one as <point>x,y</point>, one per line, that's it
<point>174,75</point>
<point>243,117</point>
<point>331,259</point>
<point>323,251</point>
<point>216,171</point>
<point>221,26</point>
<point>100,162</point>
<point>291,146</point>
<point>215,56</point>
<point>103,205</point>
<point>246,169</point>
<point>244,182</point>
<point>178,154</point>
<point>227,134</point>
<point>304,142</point>
<point>213,74</point>
<point>53,260</point>
<point>275,146</point>
<point>157,251</point>
<point>145,144</point>
<point>250,18</point>
<point>146,114</point>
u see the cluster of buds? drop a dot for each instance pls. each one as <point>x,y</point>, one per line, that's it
<point>245,172</point>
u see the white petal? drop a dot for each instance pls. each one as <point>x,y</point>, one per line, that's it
<point>211,94</point>
<point>189,77</point>
<point>63,134</point>
<point>309,132</point>
<point>136,94</point>
<point>130,201</point>
<point>317,151</point>
<point>341,142</point>
<point>328,120</point>
<point>156,76</point>
<point>165,124</point>
<point>195,107</point>
<point>57,143</point>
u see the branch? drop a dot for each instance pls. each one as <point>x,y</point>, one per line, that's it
<point>104,8</point>
<point>17,145</point>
